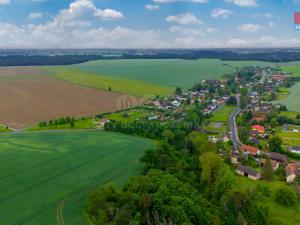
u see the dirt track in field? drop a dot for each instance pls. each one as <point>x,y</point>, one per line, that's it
<point>24,102</point>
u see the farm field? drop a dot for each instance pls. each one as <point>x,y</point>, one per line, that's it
<point>26,102</point>
<point>282,214</point>
<point>292,101</point>
<point>42,169</point>
<point>290,114</point>
<point>172,73</point>
<point>292,68</point>
<point>117,84</point>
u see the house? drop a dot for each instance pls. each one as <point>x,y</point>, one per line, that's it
<point>250,149</point>
<point>258,117</point>
<point>259,128</point>
<point>295,149</point>
<point>292,170</point>
<point>237,157</point>
<point>275,164</point>
<point>248,172</point>
<point>282,159</point>
<point>175,103</point>
<point>102,122</point>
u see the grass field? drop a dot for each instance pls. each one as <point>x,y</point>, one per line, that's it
<point>171,72</point>
<point>222,114</point>
<point>292,101</point>
<point>293,69</point>
<point>290,114</point>
<point>117,84</point>
<point>285,215</point>
<point>38,170</point>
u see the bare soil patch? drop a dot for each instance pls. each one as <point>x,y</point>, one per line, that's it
<point>15,71</point>
<point>24,102</point>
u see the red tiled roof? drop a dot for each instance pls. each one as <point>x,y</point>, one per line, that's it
<point>250,149</point>
<point>259,128</point>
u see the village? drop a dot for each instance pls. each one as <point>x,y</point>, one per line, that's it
<point>252,90</point>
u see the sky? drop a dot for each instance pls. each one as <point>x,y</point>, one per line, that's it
<point>148,23</point>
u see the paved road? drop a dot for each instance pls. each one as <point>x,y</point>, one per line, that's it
<point>234,133</point>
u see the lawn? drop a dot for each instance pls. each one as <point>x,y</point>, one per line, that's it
<point>126,117</point>
<point>38,170</point>
<point>117,84</point>
<point>222,114</point>
<point>289,114</point>
<point>283,93</point>
<point>285,215</point>
<point>168,72</point>
<point>292,101</point>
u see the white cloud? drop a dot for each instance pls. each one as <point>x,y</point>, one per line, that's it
<point>4,2</point>
<point>184,19</point>
<point>82,9</point>
<point>243,3</point>
<point>152,7</point>
<point>172,1</point>
<point>249,27</point>
<point>236,43</point>
<point>271,24</point>
<point>35,15</point>
<point>268,15</point>
<point>223,13</point>
<point>183,31</point>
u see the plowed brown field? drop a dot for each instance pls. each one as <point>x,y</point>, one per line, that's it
<point>27,101</point>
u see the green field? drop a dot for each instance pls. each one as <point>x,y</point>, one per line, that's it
<point>168,72</point>
<point>294,69</point>
<point>292,101</point>
<point>222,114</point>
<point>39,170</point>
<point>285,215</point>
<point>121,85</point>
<point>290,114</point>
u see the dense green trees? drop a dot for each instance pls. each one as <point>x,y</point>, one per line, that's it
<point>285,196</point>
<point>189,185</point>
<point>268,170</point>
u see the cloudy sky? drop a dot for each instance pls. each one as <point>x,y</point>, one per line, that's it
<point>148,23</point>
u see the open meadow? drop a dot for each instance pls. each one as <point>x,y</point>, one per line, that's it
<point>292,100</point>
<point>45,177</point>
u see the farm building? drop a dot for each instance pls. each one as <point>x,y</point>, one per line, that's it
<point>250,149</point>
<point>275,164</point>
<point>278,157</point>
<point>292,170</point>
<point>248,172</point>
<point>237,157</point>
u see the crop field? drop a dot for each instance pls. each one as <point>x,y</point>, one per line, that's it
<point>172,73</point>
<point>45,177</point>
<point>117,84</point>
<point>29,101</point>
<point>21,72</point>
<point>293,68</point>
<point>292,101</point>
